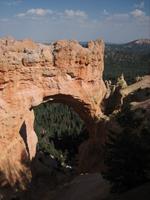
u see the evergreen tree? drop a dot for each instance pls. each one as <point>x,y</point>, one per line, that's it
<point>127,155</point>
<point>59,131</point>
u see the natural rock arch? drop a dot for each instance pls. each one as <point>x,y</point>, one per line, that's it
<point>32,73</point>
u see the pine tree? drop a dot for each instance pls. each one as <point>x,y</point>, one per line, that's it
<point>127,157</point>
<point>58,128</point>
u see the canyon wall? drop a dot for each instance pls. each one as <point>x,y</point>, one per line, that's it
<point>33,73</point>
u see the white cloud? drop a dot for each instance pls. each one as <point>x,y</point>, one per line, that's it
<point>76,24</point>
<point>35,13</point>
<point>39,12</point>
<point>140,5</point>
<point>140,17</point>
<point>75,13</point>
<point>105,12</point>
<point>137,13</point>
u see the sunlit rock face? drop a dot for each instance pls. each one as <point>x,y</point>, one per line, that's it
<point>32,73</point>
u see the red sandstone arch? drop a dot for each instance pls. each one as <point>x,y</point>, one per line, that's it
<point>32,73</point>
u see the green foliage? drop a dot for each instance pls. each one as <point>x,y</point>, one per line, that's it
<point>127,154</point>
<point>58,128</point>
<point>130,60</point>
<point>52,119</point>
<point>128,160</point>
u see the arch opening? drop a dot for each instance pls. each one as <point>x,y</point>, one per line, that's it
<point>60,132</point>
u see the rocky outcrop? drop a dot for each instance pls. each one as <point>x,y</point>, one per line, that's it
<point>118,96</point>
<point>33,73</point>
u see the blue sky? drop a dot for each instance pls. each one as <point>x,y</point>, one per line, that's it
<point>48,20</point>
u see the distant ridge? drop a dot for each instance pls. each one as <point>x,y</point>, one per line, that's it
<point>145,42</point>
<point>139,42</point>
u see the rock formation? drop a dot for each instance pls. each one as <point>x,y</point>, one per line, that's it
<point>119,95</point>
<point>33,73</point>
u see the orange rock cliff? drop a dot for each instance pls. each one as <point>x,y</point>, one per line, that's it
<point>33,73</point>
